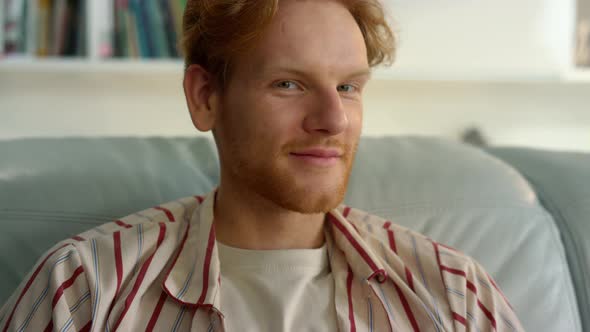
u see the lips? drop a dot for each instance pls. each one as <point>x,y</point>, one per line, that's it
<point>319,153</point>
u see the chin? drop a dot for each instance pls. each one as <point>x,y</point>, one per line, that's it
<point>306,191</point>
<point>311,197</point>
<point>310,202</point>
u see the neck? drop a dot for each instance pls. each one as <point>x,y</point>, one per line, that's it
<point>247,220</point>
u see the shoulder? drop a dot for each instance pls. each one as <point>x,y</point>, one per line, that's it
<point>129,240</point>
<point>370,225</point>
<point>173,214</point>
<point>446,273</point>
<point>402,241</point>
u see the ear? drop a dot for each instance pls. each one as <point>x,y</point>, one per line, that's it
<point>200,96</point>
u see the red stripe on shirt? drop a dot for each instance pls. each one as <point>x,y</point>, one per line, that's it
<point>346,211</point>
<point>118,260</point>
<point>65,285</point>
<point>355,244</point>
<point>140,277</point>
<point>28,285</point>
<point>78,238</point>
<point>200,199</point>
<point>210,244</point>
<point>390,236</point>
<point>167,212</point>
<point>460,319</point>
<point>349,293</point>
<point>49,326</point>
<point>472,288</point>
<point>156,313</point>
<point>118,265</point>
<point>487,313</point>
<point>407,308</point>
<point>453,271</point>
<point>122,224</point>
<point>86,327</point>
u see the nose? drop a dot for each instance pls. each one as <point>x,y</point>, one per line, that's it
<point>327,115</point>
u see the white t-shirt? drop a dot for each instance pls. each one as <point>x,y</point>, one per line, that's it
<point>277,290</point>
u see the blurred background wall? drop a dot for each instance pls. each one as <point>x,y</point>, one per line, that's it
<point>505,68</point>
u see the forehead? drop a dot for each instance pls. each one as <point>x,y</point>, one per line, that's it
<point>319,36</point>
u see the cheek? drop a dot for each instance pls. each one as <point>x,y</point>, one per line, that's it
<point>254,128</point>
<point>278,119</point>
<point>355,119</point>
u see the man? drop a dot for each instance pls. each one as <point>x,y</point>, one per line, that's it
<point>280,85</point>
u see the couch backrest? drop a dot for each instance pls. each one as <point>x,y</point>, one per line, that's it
<point>562,182</point>
<point>456,194</point>
<point>462,196</point>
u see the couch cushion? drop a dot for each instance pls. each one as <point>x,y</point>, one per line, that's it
<point>463,197</point>
<point>562,182</point>
<point>458,195</point>
<point>51,189</point>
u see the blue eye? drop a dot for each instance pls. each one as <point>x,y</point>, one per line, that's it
<point>286,85</point>
<point>346,88</point>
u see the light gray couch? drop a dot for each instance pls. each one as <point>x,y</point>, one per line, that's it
<point>523,213</point>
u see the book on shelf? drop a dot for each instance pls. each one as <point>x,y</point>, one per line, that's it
<point>14,27</point>
<point>1,28</point>
<point>147,28</point>
<point>43,28</point>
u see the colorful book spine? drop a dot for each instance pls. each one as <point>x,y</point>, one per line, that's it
<point>59,23</point>
<point>157,30</point>
<point>147,28</point>
<point>177,9</point>
<point>132,36</point>
<point>32,30</point>
<point>140,28</point>
<point>72,32</point>
<point>13,26</point>
<point>121,44</point>
<point>168,22</point>
<point>2,4</point>
<point>44,28</point>
<point>82,30</point>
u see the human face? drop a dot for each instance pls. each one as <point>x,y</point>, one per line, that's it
<point>291,114</point>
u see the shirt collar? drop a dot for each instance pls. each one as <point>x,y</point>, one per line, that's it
<point>347,237</point>
<point>194,278</point>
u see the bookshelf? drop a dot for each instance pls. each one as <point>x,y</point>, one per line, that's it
<point>100,43</point>
<point>90,29</point>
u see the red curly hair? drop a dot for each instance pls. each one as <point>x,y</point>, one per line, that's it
<point>214,31</point>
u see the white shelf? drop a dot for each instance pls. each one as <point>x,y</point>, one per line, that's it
<point>174,67</point>
<point>85,65</point>
<point>579,74</point>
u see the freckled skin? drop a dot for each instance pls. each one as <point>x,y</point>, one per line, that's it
<point>260,123</point>
<point>299,87</point>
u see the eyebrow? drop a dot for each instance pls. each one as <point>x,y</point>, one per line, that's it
<point>367,72</point>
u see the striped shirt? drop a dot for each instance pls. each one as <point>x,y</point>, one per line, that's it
<point>159,270</point>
